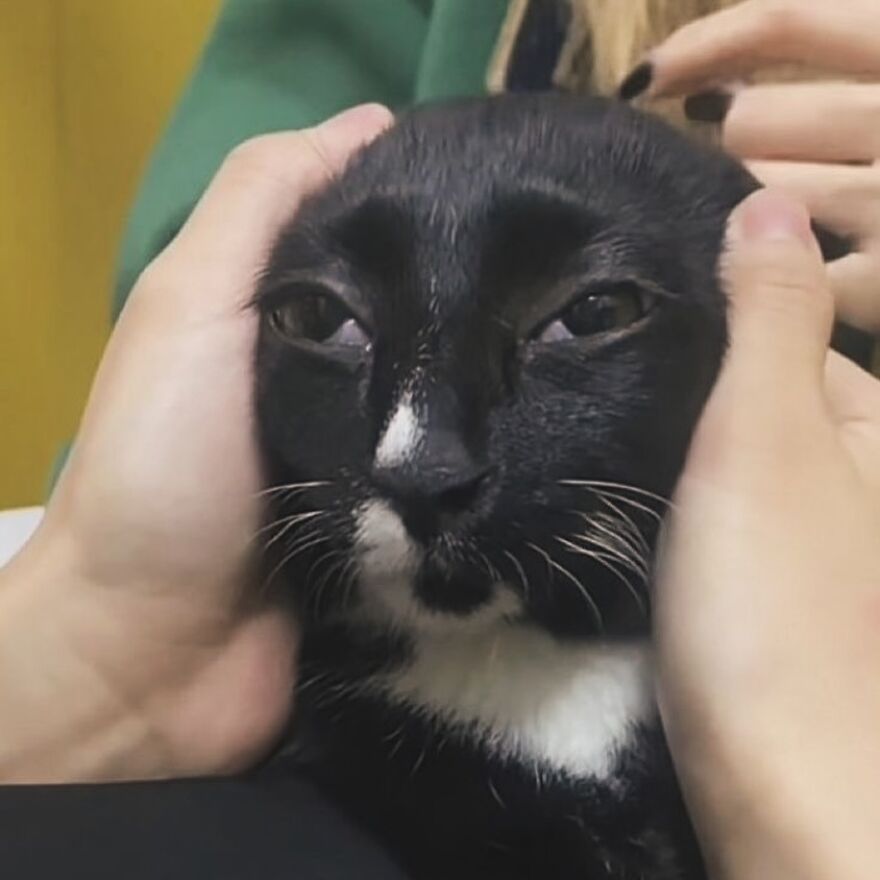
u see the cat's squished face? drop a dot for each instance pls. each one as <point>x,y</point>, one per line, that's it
<point>481,356</point>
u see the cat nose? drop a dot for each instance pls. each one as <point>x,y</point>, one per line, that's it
<point>434,490</point>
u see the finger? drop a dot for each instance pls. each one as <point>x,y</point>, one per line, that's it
<point>819,122</point>
<point>853,394</point>
<point>781,310</point>
<point>755,33</point>
<point>843,197</point>
<point>855,280</point>
<point>256,191</point>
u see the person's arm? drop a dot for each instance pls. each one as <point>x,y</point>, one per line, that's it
<point>129,642</point>
<point>768,600</point>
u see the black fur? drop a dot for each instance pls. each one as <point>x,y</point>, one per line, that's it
<point>454,239</point>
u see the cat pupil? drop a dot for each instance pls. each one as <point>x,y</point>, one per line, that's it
<point>316,317</point>
<point>601,312</point>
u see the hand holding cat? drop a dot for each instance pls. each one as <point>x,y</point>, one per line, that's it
<point>819,141</point>
<point>769,589</point>
<point>126,647</point>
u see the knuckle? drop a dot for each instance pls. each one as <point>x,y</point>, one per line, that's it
<point>872,184</point>
<point>780,281</point>
<point>870,106</point>
<point>775,20</point>
<point>158,273</point>
<point>255,157</point>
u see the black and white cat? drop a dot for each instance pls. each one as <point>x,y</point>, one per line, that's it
<point>482,353</point>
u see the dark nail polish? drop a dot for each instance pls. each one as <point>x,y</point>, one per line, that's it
<point>636,82</point>
<point>708,106</point>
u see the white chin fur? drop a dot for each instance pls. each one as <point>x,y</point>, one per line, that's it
<point>388,561</point>
<point>564,706</point>
<point>558,706</point>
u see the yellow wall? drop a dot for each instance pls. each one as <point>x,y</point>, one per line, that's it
<point>85,86</point>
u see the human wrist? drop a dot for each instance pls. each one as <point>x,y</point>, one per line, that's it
<point>764,808</point>
<point>61,719</point>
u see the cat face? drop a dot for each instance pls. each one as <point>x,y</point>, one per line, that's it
<point>482,352</point>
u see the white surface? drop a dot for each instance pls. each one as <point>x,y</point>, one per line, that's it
<point>16,527</point>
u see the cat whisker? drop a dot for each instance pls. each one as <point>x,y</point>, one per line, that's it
<point>632,553</point>
<point>520,571</point>
<point>285,524</point>
<point>493,572</point>
<point>602,494</point>
<point>623,487</point>
<point>603,559</point>
<point>555,566</point>
<point>613,552</point>
<point>307,545</point>
<point>630,527</point>
<point>335,566</point>
<point>348,576</point>
<point>292,488</point>
<point>616,536</point>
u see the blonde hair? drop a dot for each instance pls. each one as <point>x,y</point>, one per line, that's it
<point>622,31</point>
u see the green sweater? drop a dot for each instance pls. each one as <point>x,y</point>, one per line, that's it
<point>283,64</point>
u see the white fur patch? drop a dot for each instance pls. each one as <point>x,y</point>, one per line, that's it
<point>388,561</point>
<point>571,707</point>
<point>402,436</point>
<point>384,547</point>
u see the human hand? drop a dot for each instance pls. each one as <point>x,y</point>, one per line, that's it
<point>768,595</point>
<point>132,643</point>
<point>818,141</point>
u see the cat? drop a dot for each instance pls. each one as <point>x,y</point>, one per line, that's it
<point>482,352</point>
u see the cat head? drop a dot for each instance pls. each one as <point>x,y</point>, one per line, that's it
<point>482,352</point>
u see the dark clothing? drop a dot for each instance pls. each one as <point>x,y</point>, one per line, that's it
<point>270,828</point>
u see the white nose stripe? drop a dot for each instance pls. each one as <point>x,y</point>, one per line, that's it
<point>402,436</point>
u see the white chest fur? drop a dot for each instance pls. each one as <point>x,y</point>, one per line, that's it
<point>564,706</point>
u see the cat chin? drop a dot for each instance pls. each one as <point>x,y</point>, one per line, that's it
<point>389,562</point>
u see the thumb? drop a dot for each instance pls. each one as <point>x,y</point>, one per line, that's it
<point>781,308</point>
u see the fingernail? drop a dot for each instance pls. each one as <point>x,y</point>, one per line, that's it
<point>772,216</point>
<point>636,82</point>
<point>710,106</point>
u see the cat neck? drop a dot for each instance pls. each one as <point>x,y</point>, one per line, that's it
<point>569,706</point>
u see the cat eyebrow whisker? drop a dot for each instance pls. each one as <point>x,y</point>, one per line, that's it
<point>555,566</point>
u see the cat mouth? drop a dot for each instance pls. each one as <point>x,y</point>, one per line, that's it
<point>459,589</point>
<point>411,579</point>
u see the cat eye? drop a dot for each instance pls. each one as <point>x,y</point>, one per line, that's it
<point>600,311</point>
<point>316,316</point>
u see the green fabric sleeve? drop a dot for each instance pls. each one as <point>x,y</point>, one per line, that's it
<point>280,64</point>
<point>269,65</point>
